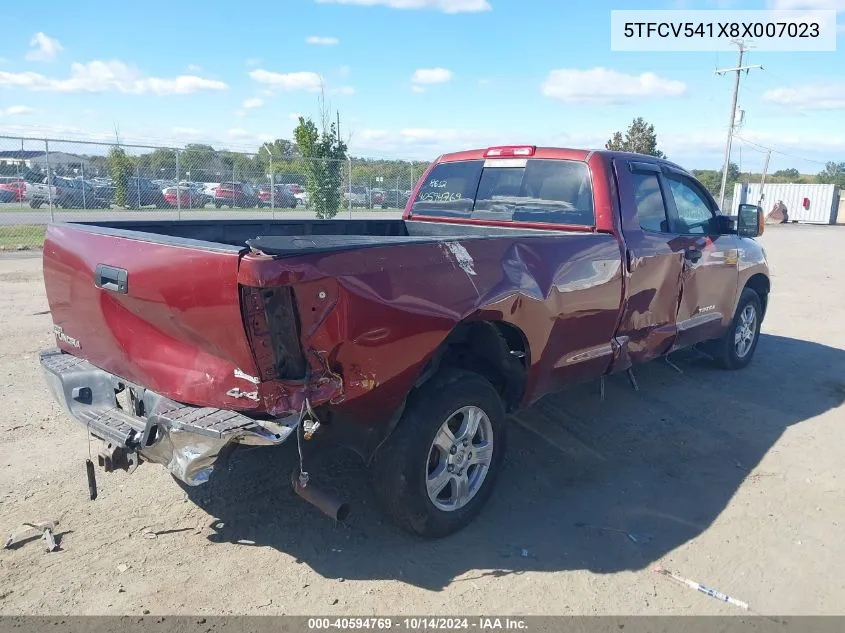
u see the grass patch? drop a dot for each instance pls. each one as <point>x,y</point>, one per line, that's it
<point>20,237</point>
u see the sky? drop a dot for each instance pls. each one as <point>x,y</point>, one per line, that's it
<point>410,78</point>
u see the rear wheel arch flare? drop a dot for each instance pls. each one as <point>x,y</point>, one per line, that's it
<point>497,350</point>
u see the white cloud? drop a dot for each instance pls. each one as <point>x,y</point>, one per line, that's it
<point>604,86</point>
<point>429,76</point>
<point>840,28</point>
<point>187,133</point>
<point>319,40</point>
<point>344,90</point>
<point>194,68</point>
<point>238,132</point>
<point>826,96</point>
<point>344,71</point>
<point>446,6</point>
<point>253,103</point>
<point>109,76</point>
<point>253,61</point>
<point>16,110</point>
<point>312,82</point>
<point>294,116</point>
<point>43,48</point>
<point>428,143</point>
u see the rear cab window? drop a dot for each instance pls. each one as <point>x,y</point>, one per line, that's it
<point>553,191</point>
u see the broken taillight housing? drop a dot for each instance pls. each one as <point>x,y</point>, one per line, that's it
<point>272,328</point>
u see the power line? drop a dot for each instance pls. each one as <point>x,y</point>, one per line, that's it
<point>777,151</point>
<point>738,70</point>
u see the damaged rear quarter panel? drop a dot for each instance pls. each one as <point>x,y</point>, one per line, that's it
<point>373,317</point>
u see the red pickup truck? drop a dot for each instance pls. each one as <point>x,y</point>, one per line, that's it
<point>514,271</point>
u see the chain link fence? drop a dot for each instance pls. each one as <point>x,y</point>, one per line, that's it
<point>44,180</point>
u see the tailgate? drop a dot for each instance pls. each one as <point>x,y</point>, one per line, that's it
<point>161,312</point>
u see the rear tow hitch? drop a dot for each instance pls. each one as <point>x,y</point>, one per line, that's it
<point>112,457</point>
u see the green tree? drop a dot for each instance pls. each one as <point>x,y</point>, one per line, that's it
<point>160,163</point>
<point>120,171</point>
<point>832,174</point>
<point>787,173</point>
<point>712,178</point>
<point>201,160</point>
<point>324,155</point>
<point>639,138</point>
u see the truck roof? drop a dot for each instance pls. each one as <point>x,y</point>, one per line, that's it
<point>560,153</point>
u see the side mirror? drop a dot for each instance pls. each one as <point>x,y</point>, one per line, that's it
<point>724,225</point>
<point>750,221</point>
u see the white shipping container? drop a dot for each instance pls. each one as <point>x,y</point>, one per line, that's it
<point>823,200</point>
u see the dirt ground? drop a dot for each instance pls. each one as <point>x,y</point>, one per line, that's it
<point>733,479</point>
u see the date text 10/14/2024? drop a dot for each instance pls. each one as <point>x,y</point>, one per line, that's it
<point>419,624</point>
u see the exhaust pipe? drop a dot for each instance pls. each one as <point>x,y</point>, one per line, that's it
<point>323,501</point>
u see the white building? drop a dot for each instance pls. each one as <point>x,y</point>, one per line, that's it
<point>39,160</point>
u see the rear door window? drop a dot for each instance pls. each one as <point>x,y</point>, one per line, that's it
<point>518,190</point>
<point>651,210</point>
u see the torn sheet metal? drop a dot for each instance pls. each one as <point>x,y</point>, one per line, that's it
<point>191,457</point>
<point>29,530</point>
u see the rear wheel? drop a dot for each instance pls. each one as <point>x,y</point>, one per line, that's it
<point>439,466</point>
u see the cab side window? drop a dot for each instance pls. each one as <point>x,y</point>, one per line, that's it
<point>651,209</point>
<point>695,216</point>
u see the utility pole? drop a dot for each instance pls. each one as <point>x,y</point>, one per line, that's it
<point>763,178</point>
<point>738,70</point>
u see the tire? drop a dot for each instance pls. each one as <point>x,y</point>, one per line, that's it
<point>729,354</point>
<point>403,464</point>
<point>217,205</point>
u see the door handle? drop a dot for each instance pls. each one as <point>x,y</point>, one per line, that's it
<point>112,279</point>
<point>692,254</point>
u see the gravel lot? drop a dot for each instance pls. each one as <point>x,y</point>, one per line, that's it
<point>732,479</point>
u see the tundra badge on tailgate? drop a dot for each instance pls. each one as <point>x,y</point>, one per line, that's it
<point>60,334</point>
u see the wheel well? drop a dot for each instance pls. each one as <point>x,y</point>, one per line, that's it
<point>759,283</point>
<point>498,351</point>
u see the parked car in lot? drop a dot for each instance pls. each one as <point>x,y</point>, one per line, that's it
<point>188,196</point>
<point>140,192</point>
<point>176,197</point>
<point>38,191</point>
<point>73,193</point>
<point>17,187</point>
<point>514,272</point>
<point>7,195</point>
<point>282,198</point>
<point>359,196</point>
<point>395,199</point>
<point>208,188</point>
<point>235,194</point>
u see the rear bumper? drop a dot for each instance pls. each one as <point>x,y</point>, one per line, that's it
<point>135,421</point>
